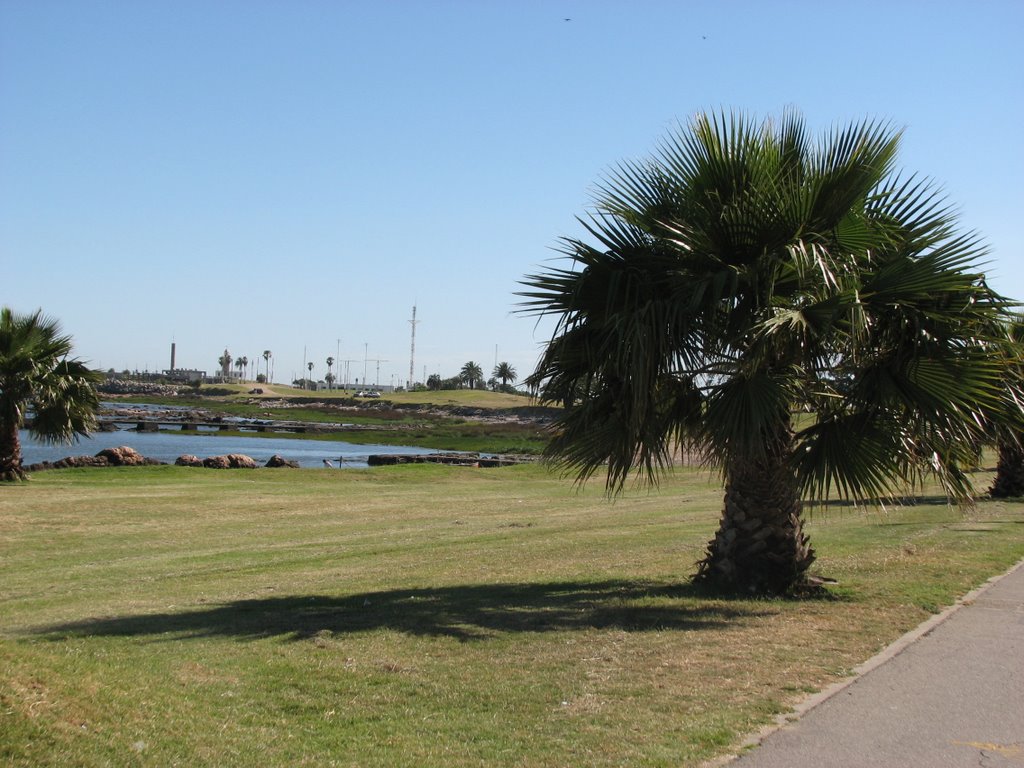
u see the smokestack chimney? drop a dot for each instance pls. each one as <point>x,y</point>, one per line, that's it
<point>172,356</point>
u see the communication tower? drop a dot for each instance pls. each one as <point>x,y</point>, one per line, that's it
<point>412,348</point>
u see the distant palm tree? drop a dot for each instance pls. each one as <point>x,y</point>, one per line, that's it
<point>471,373</point>
<point>266,359</point>
<point>505,372</point>
<point>224,361</point>
<point>330,377</point>
<point>747,272</point>
<point>309,366</point>
<point>238,365</point>
<point>37,375</point>
<point>245,365</point>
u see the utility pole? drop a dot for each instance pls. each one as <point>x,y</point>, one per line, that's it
<point>346,362</point>
<point>376,382</point>
<point>412,348</point>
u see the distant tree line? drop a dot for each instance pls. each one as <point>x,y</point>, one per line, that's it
<point>472,377</point>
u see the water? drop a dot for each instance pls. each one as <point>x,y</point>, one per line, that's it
<point>168,445</point>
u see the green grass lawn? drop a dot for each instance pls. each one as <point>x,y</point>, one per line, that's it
<point>427,616</point>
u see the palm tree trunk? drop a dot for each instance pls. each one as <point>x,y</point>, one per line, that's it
<point>1009,480</point>
<point>760,546</point>
<point>10,452</point>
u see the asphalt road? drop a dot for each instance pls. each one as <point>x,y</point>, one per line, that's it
<point>953,695</point>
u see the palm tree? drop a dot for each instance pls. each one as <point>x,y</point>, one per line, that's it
<point>266,359</point>
<point>744,273</point>
<point>1009,480</point>
<point>330,376</point>
<point>505,372</point>
<point>36,374</point>
<point>309,367</point>
<point>238,365</point>
<point>224,361</point>
<point>243,361</point>
<point>471,373</point>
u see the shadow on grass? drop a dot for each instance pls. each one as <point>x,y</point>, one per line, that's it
<point>895,502</point>
<point>462,612</point>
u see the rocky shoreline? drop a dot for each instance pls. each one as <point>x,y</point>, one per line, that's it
<point>126,456</point>
<point>527,414</point>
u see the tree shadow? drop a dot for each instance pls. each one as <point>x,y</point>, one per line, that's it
<point>469,612</point>
<point>894,502</point>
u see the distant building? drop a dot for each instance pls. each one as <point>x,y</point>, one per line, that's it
<point>185,375</point>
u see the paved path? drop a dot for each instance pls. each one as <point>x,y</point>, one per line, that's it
<point>951,694</point>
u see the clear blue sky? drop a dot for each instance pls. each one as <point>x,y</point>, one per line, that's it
<point>283,175</point>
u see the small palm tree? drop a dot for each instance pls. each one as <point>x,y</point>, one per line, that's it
<point>746,273</point>
<point>309,367</point>
<point>244,364</point>
<point>266,359</point>
<point>330,376</point>
<point>238,365</point>
<point>37,375</point>
<point>471,373</point>
<point>505,372</point>
<point>224,361</point>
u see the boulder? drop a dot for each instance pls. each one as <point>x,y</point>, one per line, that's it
<point>188,460</point>
<point>83,461</point>
<point>230,461</point>
<point>68,462</point>
<point>122,456</point>
<point>241,461</point>
<point>108,457</point>
<point>277,460</point>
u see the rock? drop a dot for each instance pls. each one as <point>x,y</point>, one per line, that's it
<point>241,461</point>
<point>83,461</point>
<point>277,460</point>
<point>69,461</point>
<point>122,456</point>
<point>108,457</point>
<point>230,461</point>
<point>188,460</point>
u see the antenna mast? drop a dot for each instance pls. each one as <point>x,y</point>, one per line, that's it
<point>412,348</point>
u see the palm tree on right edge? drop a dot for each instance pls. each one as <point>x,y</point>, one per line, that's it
<point>1009,440</point>
<point>746,273</point>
